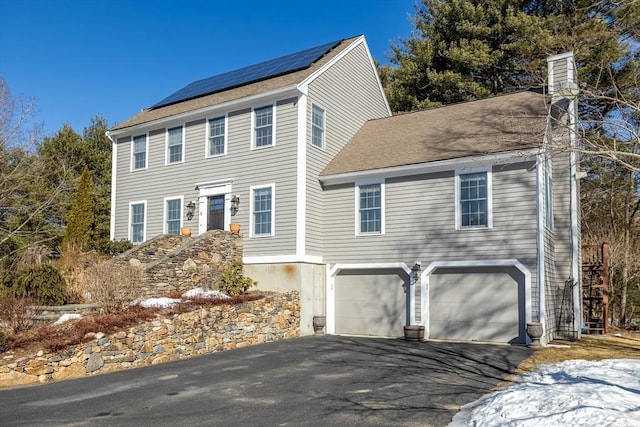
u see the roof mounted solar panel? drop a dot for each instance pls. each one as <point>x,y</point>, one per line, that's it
<point>253,73</point>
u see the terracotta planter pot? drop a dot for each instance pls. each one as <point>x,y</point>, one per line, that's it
<point>234,228</point>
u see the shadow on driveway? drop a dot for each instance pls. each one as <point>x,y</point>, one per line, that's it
<point>309,381</point>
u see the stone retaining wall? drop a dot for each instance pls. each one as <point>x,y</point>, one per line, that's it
<point>205,330</point>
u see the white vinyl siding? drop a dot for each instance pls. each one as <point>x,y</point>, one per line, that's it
<point>217,137</point>
<point>548,195</point>
<point>262,210</point>
<point>175,145</point>
<point>370,208</point>
<point>139,152</point>
<point>263,127</point>
<point>173,209</point>
<point>473,199</point>
<point>420,216</point>
<point>137,222</point>
<point>317,126</point>
<point>348,103</point>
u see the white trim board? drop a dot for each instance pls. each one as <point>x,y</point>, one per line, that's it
<point>279,259</point>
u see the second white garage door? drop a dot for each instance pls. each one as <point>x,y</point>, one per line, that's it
<point>477,304</point>
<point>370,302</point>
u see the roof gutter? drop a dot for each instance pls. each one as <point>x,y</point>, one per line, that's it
<point>431,167</point>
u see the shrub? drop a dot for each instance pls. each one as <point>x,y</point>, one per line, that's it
<point>112,287</point>
<point>43,283</point>
<point>232,281</point>
<point>17,312</point>
<point>72,264</point>
<point>3,340</point>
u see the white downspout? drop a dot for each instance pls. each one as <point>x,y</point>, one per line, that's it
<point>540,233</point>
<point>114,156</point>
<point>574,206</point>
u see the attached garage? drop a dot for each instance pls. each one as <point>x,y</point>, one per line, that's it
<point>477,303</point>
<point>371,302</point>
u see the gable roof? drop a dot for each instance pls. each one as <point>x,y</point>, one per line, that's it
<point>252,87</point>
<point>493,125</point>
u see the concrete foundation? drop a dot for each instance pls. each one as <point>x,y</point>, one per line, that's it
<point>308,279</point>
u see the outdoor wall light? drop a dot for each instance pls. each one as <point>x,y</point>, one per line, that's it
<point>415,272</point>
<point>235,204</point>
<point>191,208</point>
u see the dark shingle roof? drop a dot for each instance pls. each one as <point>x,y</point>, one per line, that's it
<point>249,89</point>
<point>502,123</point>
<point>252,73</point>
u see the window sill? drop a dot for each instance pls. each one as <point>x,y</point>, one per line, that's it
<point>475,228</point>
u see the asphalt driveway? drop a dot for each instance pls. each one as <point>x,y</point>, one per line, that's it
<point>309,381</point>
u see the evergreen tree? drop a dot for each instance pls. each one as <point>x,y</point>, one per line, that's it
<point>98,159</point>
<point>81,217</point>
<point>68,153</point>
<point>462,50</point>
<point>62,153</point>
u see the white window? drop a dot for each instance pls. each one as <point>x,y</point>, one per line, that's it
<point>370,208</point>
<point>473,199</point>
<point>548,195</point>
<point>262,210</point>
<point>317,126</point>
<point>217,137</point>
<point>263,127</point>
<point>139,152</point>
<point>173,215</point>
<point>175,145</point>
<point>137,221</point>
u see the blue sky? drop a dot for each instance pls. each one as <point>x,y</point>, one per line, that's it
<point>79,58</point>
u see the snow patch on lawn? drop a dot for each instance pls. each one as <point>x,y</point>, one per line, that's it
<point>201,293</point>
<point>570,393</point>
<point>170,302</point>
<point>66,317</point>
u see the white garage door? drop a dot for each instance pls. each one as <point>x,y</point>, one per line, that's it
<point>370,302</point>
<point>477,304</point>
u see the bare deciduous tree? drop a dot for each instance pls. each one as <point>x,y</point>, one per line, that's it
<point>24,197</point>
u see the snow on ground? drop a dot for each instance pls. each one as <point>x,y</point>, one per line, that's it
<point>170,302</point>
<point>67,317</point>
<point>571,393</point>
<point>158,302</point>
<point>200,293</point>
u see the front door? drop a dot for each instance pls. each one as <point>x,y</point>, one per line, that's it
<point>216,213</point>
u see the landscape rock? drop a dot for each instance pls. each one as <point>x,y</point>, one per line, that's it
<point>94,363</point>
